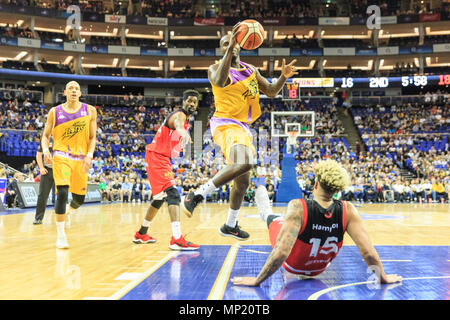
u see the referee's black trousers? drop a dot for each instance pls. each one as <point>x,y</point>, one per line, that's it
<point>45,186</point>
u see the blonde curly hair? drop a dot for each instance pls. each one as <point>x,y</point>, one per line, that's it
<point>331,175</point>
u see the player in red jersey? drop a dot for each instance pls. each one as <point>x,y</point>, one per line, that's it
<point>168,142</point>
<point>310,234</point>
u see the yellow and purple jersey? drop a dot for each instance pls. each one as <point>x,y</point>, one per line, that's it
<point>239,100</point>
<point>71,130</point>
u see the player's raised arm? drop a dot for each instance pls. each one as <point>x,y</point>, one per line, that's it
<point>218,73</point>
<point>272,89</point>
<point>283,246</point>
<point>356,230</point>
<point>45,140</point>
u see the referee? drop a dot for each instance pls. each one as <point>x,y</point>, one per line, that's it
<point>46,184</point>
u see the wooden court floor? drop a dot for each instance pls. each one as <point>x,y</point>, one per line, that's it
<point>103,263</point>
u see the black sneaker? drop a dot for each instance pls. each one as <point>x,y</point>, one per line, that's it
<point>189,202</point>
<point>235,232</point>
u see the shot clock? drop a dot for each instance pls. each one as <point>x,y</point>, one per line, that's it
<point>291,91</point>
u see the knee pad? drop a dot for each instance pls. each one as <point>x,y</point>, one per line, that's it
<point>173,196</point>
<point>61,201</point>
<point>157,203</point>
<point>77,200</point>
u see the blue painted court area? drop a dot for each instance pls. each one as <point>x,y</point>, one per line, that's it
<point>187,276</point>
<point>192,276</point>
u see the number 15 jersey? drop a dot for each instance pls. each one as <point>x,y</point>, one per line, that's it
<point>319,240</point>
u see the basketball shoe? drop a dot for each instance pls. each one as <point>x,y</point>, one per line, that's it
<point>139,238</point>
<point>235,232</point>
<point>182,245</point>
<point>61,242</point>
<point>189,202</point>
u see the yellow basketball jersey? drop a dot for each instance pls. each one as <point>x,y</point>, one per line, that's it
<point>240,99</point>
<point>71,130</point>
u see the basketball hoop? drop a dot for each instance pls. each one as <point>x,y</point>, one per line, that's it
<point>287,123</point>
<point>293,136</point>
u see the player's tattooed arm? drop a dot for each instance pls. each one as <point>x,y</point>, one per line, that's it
<point>293,220</point>
<point>285,241</point>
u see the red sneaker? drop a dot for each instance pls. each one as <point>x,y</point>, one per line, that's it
<point>139,238</point>
<point>182,244</point>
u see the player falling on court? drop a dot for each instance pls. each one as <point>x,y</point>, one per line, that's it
<point>168,141</point>
<point>310,234</point>
<point>73,126</point>
<point>236,86</point>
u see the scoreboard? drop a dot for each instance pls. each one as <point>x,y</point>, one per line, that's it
<point>393,82</point>
<point>291,90</point>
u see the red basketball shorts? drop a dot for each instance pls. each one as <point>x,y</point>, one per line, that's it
<point>160,173</point>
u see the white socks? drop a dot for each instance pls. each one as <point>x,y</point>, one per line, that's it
<point>264,212</point>
<point>206,189</point>
<point>60,229</point>
<point>176,229</point>
<point>232,217</point>
<point>146,223</point>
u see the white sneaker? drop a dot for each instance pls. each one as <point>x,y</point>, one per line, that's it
<point>263,202</point>
<point>61,243</point>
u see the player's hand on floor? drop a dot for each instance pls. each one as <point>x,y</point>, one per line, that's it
<point>391,278</point>
<point>245,281</point>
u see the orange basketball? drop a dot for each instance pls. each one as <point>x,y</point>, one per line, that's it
<point>250,34</point>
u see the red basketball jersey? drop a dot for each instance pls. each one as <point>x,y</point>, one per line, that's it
<point>319,239</point>
<point>166,140</point>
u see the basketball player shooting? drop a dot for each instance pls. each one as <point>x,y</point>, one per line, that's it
<point>310,234</point>
<point>167,143</point>
<point>73,126</point>
<point>236,86</point>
